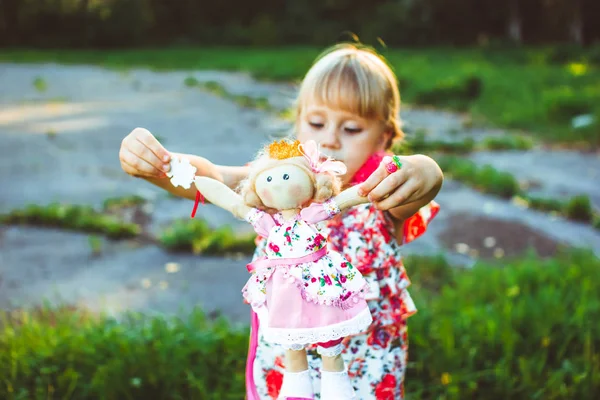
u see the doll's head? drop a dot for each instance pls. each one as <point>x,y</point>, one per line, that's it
<point>288,174</point>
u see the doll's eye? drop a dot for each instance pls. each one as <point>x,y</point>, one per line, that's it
<point>269,178</point>
<point>286,177</point>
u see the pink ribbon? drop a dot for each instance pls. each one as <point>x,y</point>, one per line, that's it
<point>273,262</point>
<point>311,152</point>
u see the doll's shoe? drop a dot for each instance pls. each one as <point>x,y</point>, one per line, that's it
<point>336,386</point>
<point>297,386</point>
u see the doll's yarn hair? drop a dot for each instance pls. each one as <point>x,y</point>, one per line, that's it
<point>326,185</point>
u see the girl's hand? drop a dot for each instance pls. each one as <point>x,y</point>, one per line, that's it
<point>141,155</point>
<point>418,179</point>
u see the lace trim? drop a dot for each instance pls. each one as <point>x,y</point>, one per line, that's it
<point>331,207</point>
<point>330,351</point>
<point>306,336</point>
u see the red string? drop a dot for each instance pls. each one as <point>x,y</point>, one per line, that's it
<point>199,198</point>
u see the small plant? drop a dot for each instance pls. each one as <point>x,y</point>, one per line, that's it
<point>95,244</point>
<point>579,208</point>
<point>191,81</point>
<point>181,234</point>
<point>123,202</point>
<point>40,84</point>
<point>196,236</point>
<point>546,205</point>
<point>507,142</point>
<point>51,134</point>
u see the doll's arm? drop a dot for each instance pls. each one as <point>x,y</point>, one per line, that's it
<point>318,212</point>
<point>222,196</point>
<point>349,198</point>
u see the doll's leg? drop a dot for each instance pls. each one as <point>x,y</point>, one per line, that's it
<point>335,383</point>
<point>297,384</point>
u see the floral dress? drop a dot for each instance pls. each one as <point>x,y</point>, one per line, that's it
<point>302,290</point>
<point>376,358</point>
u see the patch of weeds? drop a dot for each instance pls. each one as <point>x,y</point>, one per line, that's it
<point>507,142</point>
<point>51,134</point>
<point>196,236</point>
<point>191,81</point>
<point>579,208</point>
<point>543,204</point>
<point>242,100</point>
<point>72,217</point>
<point>115,203</point>
<point>485,178</point>
<point>40,84</point>
<point>95,243</point>
<point>596,221</point>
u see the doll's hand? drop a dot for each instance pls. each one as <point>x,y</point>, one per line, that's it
<point>141,155</point>
<point>416,179</point>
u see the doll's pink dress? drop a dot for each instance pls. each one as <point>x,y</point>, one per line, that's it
<point>302,291</point>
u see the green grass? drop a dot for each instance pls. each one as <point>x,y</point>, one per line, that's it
<point>198,237</point>
<point>62,354</point>
<point>526,329</point>
<point>489,180</point>
<point>418,143</point>
<point>485,178</point>
<point>72,217</point>
<point>521,89</point>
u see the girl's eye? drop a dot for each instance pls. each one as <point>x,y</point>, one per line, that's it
<point>286,177</point>
<point>353,130</point>
<point>269,178</point>
<point>317,125</point>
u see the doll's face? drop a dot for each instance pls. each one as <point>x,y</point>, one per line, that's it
<point>284,187</point>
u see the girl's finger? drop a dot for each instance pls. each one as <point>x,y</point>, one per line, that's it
<point>148,140</point>
<point>388,186</point>
<point>375,179</point>
<point>136,166</point>
<point>399,197</point>
<point>142,151</point>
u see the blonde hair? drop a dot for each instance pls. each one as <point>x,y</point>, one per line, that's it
<point>356,79</point>
<point>326,185</point>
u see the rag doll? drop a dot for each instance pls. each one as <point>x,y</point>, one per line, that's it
<point>303,292</point>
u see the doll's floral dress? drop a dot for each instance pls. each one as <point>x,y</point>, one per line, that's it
<point>303,291</point>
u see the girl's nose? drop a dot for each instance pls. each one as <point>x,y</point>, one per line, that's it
<point>330,138</point>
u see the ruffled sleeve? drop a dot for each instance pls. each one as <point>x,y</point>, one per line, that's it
<point>261,221</point>
<point>318,212</point>
<point>416,225</point>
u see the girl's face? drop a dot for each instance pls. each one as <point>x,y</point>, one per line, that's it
<point>342,135</point>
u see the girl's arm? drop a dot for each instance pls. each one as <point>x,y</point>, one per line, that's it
<point>222,196</point>
<point>230,176</point>
<point>143,156</point>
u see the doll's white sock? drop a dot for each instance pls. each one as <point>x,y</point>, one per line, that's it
<point>296,384</point>
<point>336,386</point>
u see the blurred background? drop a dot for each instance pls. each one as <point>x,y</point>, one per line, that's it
<point>109,290</point>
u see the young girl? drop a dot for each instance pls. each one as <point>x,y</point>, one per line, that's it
<point>349,103</point>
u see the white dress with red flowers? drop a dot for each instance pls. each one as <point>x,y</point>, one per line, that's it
<point>307,302</point>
